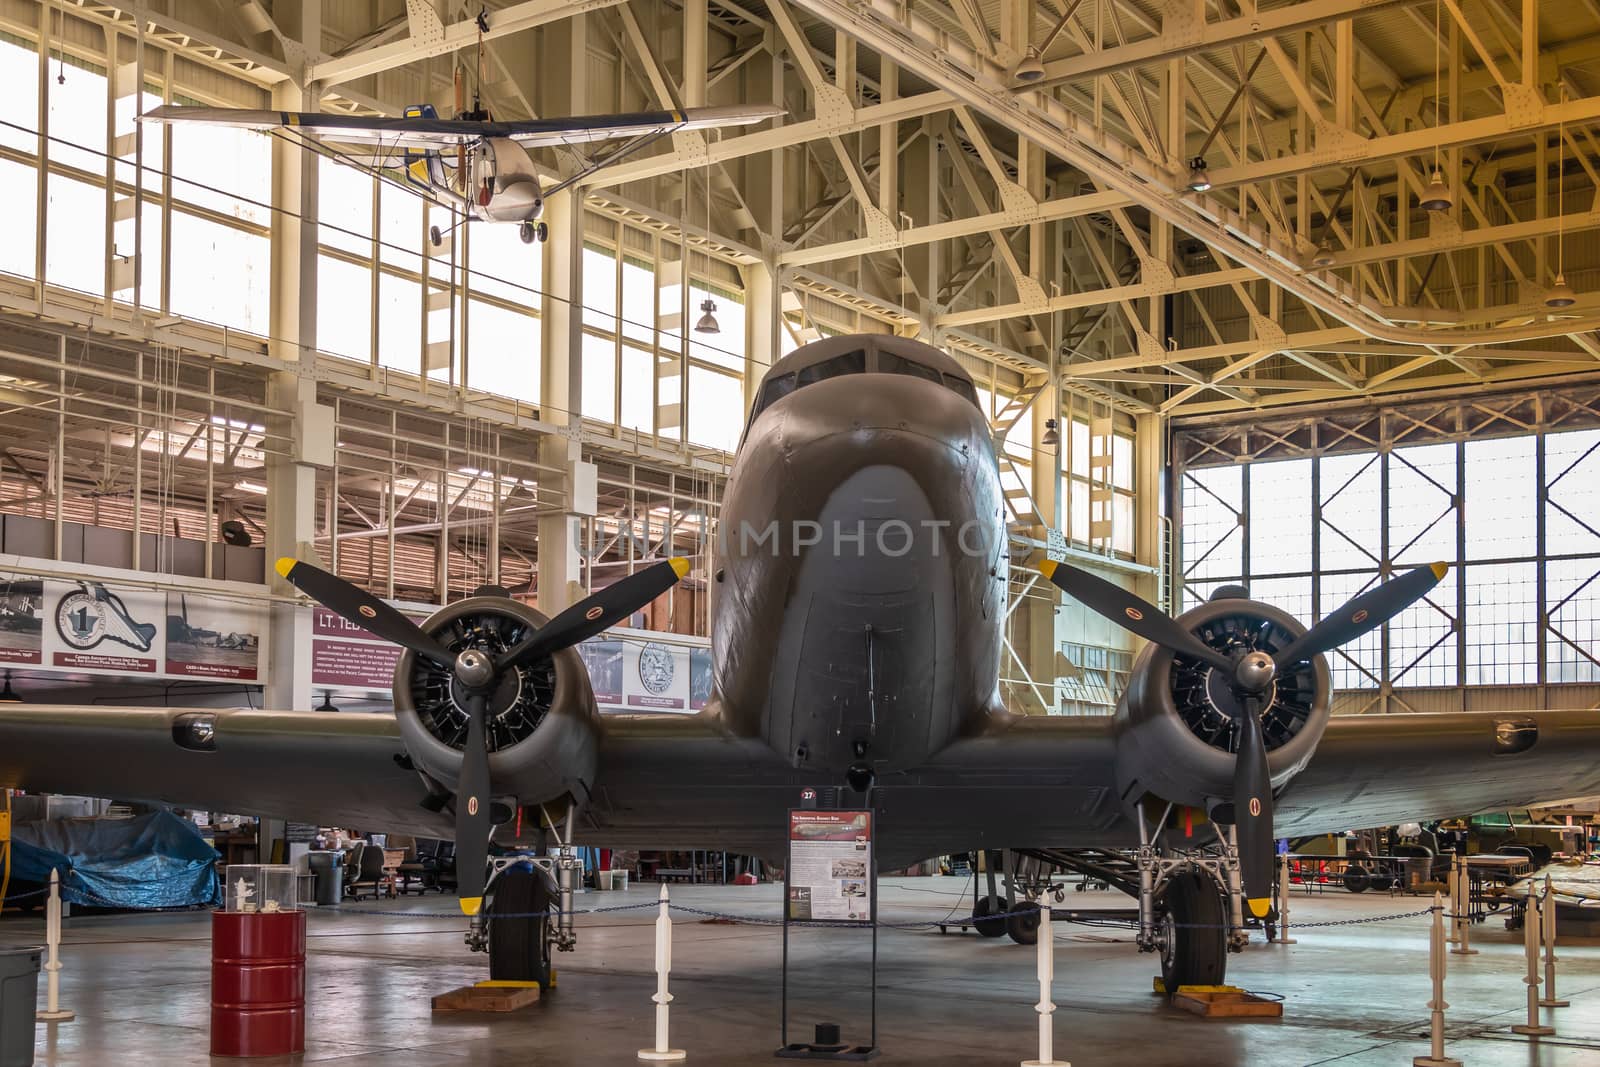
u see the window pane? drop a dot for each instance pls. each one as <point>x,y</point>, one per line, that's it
<point>502,351</point>
<point>503,266</point>
<point>1122,461</point>
<point>1355,664</point>
<point>1352,512</point>
<point>18,191</point>
<point>1502,621</point>
<point>599,289</point>
<point>1291,594</point>
<point>400,228</point>
<point>1572,642</point>
<point>1122,526</point>
<point>1422,512</point>
<point>19,88</point>
<point>726,347</point>
<point>77,120</point>
<point>75,236</point>
<point>1280,517</point>
<point>344,308</point>
<point>638,389</point>
<point>599,378</point>
<point>344,207</point>
<point>220,274</point>
<point>1212,544</point>
<point>1079,517</point>
<point>399,323</point>
<point>1422,644</point>
<point>149,235</point>
<point>1080,449</point>
<point>224,169</point>
<point>715,406</point>
<point>638,301</point>
<point>1572,475</point>
<point>1501,509</point>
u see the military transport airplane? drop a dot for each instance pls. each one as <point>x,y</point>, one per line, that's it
<point>859,598</point>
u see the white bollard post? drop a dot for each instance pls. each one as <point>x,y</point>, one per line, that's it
<point>1461,906</point>
<point>1283,903</point>
<point>1531,923</point>
<point>1436,1006</point>
<point>1547,928</point>
<point>53,1012</point>
<point>1047,975</point>
<point>661,1053</point>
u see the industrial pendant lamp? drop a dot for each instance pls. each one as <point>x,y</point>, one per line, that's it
<point>707,322</point>
<point>1199,181</point>
<point>1436,197</point>
<point>1561,294</point>
<point>1031,69</point>
<point>1323,256</point>
<point>1051,436</point>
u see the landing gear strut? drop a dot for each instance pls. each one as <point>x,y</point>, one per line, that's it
<point>1190,909</point>
<point>528,916</point>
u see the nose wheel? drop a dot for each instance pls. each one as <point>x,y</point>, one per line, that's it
<point>534,231</point>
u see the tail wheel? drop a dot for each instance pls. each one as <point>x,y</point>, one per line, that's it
<point>519,949</point>
<point>995,927</point>
<point>1023,923</point>
<point>1194,935</point>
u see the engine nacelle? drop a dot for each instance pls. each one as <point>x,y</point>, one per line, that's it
<point>1175,742</point>
<point>543,729</point>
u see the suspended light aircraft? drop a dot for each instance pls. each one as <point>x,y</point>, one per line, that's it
<point>473,163</point>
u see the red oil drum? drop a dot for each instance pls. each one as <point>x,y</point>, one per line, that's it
<point>258,983</point>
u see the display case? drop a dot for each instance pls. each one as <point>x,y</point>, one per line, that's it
<point>260,887</point>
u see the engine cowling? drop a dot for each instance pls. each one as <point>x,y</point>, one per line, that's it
<point>543,729</point>
<point>1176,742</point>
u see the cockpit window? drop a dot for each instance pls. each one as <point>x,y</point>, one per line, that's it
<point>774,390</point>
<point>844,363</point>
<point>962,386</point>
<point>889,363</point>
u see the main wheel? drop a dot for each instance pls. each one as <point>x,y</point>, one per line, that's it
<point>1356,879</point>
<point>1023,923</point>
<point>518,906</point>
<point>1194,935</point>
<point>541,230</point>
<point>989,927</point>
<point>435,238</point>
<point>527,232</point>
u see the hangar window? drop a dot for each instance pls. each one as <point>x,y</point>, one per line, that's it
<point>844,363</point>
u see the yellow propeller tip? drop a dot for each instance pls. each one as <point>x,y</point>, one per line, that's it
<point>1440,569</point>
<point>1259,906</point>
<point>680,565</point>
<point>284,565</point>
<point>470,906</point>
<point>1048,568</point>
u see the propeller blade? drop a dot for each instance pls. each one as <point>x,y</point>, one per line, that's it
<point>1131,612</point>
<point>363,609</point>
<point>1252,809</point>
<point>472,809</point>
<point>1362,614</point>
<point>595,613</point>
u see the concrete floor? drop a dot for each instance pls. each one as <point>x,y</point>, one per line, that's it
<point>1355,995</point>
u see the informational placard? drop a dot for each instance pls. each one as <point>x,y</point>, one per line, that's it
<point>641,670</point>
<point>96,625</point>
<point>830,866</point>
<point>347,656</point>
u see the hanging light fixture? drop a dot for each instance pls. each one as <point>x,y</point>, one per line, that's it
<point>1051,435</point>
<point>1199,181</point>
<point>1031,69</point>
<point>9,695</point>
<point>1323,256</point>
<point>708,322</point>
<point>1436,197</point>
<point>1561,294</point>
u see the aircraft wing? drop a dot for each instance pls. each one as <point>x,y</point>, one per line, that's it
<point>438,133</point>
<point>1379,770</point>
<point>337,769</point>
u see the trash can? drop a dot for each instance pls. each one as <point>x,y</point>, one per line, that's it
<point>329,869</point>
<point>19,998</point>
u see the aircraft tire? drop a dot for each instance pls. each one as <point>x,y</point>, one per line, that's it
<point>1023,925</point>
<point>527,232</point>
<point>986,926</point>
<point>1194,916</point>
<point>518,949</point>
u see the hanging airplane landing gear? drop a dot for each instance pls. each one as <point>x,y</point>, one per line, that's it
<point>1192,931</point>
<point>435,238</point>
<point>534,231</point>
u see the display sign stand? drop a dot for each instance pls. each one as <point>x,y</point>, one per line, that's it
<point>831,879</point>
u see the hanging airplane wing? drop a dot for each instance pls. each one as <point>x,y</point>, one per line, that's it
<point>438,133</point>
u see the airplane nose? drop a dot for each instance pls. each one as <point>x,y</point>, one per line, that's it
<point>895,414</point>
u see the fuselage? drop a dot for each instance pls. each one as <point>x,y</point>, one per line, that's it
<point>860,583</point>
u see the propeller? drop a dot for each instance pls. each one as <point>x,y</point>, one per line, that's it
<point>1251,676</point>
<point>472,808</point>
<point>363,609</point>
<point>478,674</point>
<point>596,612</point>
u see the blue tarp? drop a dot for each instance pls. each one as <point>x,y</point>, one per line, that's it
<point>149,861</point>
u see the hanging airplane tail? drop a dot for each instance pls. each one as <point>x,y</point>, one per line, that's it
<point>424,166</point>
